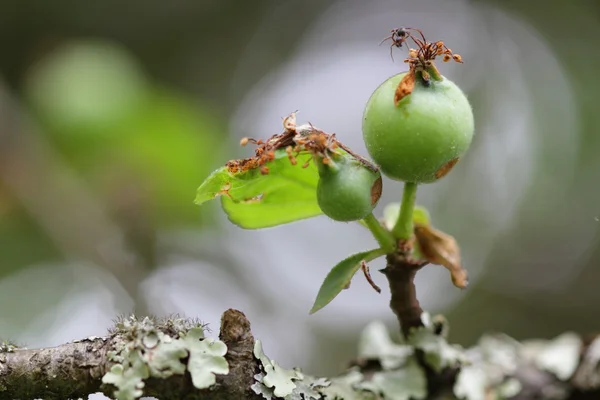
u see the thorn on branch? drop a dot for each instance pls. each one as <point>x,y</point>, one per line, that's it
<point>367,273</point>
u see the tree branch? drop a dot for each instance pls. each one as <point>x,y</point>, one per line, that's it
<point>75,370</point>
<point>71,370</point>
<point>400,273</point>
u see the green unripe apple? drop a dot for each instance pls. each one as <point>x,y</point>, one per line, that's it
<point>347,189</point>
<point>420,139</point>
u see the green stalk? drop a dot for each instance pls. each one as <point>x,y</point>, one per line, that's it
<point>382,235</point>
<point>435,73</point>
<point>403,229</point>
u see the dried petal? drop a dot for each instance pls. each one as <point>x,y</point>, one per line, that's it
<point>442,249</point>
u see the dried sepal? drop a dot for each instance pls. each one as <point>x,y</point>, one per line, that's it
<point>440,248</point>
<point>405,87</point>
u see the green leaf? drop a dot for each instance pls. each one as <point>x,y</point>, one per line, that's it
<point>421,216</point>
<point>340,276</point>
<point>390,215</point>
<point>252,200</point>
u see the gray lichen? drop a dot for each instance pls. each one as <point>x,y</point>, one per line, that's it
<point>346,387</point>
<point>587,376</point>
<point>172,359</point>
<point>279,379</point>
<point>160,349</point>
<point>501,367</point>
<point>8,346</point>
<point>387,370</point>
<point>275,382</point>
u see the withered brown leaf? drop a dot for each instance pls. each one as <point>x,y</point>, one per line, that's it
<point>442,249</point>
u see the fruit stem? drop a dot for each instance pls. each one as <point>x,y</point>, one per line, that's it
<point>330,168</point>
<point>434,73</point>
<point>403,229</point>
<point>382,235</point>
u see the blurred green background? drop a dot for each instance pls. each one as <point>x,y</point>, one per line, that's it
<point>112,113</point>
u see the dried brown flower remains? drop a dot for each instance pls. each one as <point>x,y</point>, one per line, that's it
<point>295,140</point>
<point>420,60</point>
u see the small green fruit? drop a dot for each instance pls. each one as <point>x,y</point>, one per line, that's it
<point>421,138</point>
<point>347,189</point>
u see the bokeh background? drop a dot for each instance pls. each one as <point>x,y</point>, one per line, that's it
<point>112,113</point>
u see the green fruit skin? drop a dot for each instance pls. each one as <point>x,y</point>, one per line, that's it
<point>344,192</point>
<point>428,129</point>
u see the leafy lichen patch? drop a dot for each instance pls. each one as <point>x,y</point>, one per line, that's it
<point>279,379</point>
<point>150,348</point>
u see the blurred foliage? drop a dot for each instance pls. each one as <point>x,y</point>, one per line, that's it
<point>22,241</point>
<point>140,147</point>
<point>112,125</point>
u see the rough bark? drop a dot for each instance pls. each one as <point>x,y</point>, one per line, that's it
<point>75,370</point>
<point>68,371</point>
<point>400,274</point>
